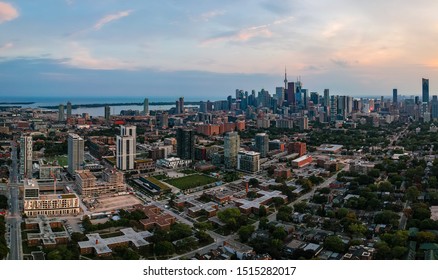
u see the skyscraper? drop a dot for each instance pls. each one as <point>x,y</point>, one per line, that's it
<point>231,149</point>
<point>107,112</point>
<point>333,107</point>
<point>75,153</point>
<point>425,83</point>
<point>434,107</point>
<point>394,96</point>
<point>61,116</point>
<point>163,120</point>
<point>126,147</point>
<point>314,97</point>
<point>327,98</point>
<point>290,93</point>
<point>185,143</point>
<point>26,156</point>
<point>68,110</point>
<point>181,105</point>
<point>262,144</point>
<point>146,107</point>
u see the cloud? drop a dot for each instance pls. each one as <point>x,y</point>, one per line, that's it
<point>6,46</point>
<point>109,18</point>
<point>207,16</point>
<point>7,12</point>
<point>70,2</point>
<point>82,58</point>
<point>247,33</point>
<point>343,63</point>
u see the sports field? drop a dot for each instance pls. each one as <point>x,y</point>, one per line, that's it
<point>191,181</point>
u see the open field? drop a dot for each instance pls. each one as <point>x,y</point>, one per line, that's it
<point>116,202</point>
<point>62,160</point>
<point>191,181</point>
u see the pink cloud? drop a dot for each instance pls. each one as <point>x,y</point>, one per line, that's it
<point>109,18</point>
<point>248,33</point>
<point>6,46</point>
<point>7,12</point>
<point>82,58</point>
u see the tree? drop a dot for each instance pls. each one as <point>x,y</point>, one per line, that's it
<point>251,195</point>
<point>262,211</point>
<point>420,211</point>
<point>374,173</point>
<point>253,182</point>
<point>229,216</point>
<point>342,212</point>
<point>203,226</point>
<point>279,233</point>
<point>425,237</point>
<point>263,224</point>
<point>284,213</point>
<point>386,217</point>
<point>164,248</point>
<point>383,250</point>
<point>412,193</point>
<point>180,231</point>
<point>300,207</point>
<point>278,201</point>
<point>334,243</point>
<point>245,232</point>
<point>357,229</point>
<point>399,252</point>
<point>77,237</point>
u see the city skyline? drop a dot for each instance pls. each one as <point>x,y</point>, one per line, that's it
<point>137,48</point>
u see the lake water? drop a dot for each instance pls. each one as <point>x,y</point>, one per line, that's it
<point>96,111</point>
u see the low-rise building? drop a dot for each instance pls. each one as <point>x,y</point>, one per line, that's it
<point>156,218</point>
<point>46,236</point>
<point>264,198</point>
<point>302,161</point>
<point>103,246</point>
<point>329,148</point>
<point>51,204</point>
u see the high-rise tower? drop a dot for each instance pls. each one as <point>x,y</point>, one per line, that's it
<point>425,87</point>
<point>107,112</point>
<point>231,149</point>
<point>262,144</point>
<point>185,143</point>
<point>146,107</point>
<point>68,110</point>
<point>75,153</point>
<point>126,147</point>
<point>26,156</point>
<point>61,116</point>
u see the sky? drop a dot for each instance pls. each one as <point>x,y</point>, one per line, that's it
<point>209,48</point>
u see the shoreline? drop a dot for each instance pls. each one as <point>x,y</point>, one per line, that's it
<point>97,105</point>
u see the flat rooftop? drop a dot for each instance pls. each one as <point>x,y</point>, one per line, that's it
<point>102,246</point>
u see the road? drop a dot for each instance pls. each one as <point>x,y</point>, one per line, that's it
<point>14,218</point>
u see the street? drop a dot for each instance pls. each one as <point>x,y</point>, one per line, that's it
<point>14,218</point>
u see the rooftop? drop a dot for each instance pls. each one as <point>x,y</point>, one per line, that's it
<point>102,246</point>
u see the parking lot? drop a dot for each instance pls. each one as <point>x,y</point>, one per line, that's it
<point>73,224</point>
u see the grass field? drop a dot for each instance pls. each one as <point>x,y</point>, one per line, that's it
<point>191,181</point>
<point>62,160</point>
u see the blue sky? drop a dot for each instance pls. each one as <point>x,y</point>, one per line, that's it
<point>199,48</point>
